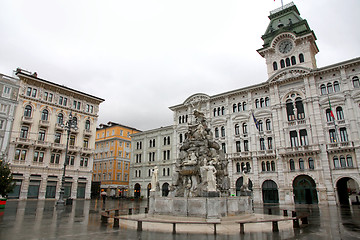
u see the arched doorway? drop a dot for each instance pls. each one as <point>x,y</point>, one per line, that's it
<point>347,190</point>
<point>270,192</point>
<point>305,190</point>
<point>137,189</point>
<point>165,190</point>
<point>239,183</point>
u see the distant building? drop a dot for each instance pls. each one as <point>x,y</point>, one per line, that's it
<point>9,89</point>
<point>297,133</point>
<point>112,158</point>
<point>152,148</point>
<point>38,139</point>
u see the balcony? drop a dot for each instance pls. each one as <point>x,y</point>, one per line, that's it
<point>24,141</point>
<point>246,154</point>
<point>59,126</point>
<point>58,146</point>
<point>26,119</point>
<point>87,132</point>
<point>43,144</point>
<point>44,123</point>
<point>87,150</point>
<point>74,148</point>
<point>299,150</point>
<point>339,145</point>
<point>296,122</point>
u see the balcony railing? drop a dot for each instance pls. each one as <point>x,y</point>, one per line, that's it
<point>87,132</point>
<point>27,119</point>
<point>42,143</point>
<point>339,145</point>
<point>44,123</point>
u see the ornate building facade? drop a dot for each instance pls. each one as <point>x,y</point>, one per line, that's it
<point>296,133</point>
<point>38,139</point>
<point>9,89</point>
<point>112,158</point>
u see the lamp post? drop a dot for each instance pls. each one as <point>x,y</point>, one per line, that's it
<point>70,124</point>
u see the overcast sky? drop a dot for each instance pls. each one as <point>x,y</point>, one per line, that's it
<point>143,56</point>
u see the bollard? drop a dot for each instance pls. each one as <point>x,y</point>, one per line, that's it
<point>275,227</point>
<point>116,222</point>
<point>285,213</point>
<point>130,211</point>
<point>146,210</point>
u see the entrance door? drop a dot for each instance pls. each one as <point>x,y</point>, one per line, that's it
<point>137,190</point>
<point>305,190</point>
<point>239,183</point>
<point>33,190</point>
<point>347,190</point>
<point>81,190</point>
<point>50,189</point>
<point>16,191</point>
<point>270,192</point>
<point>165,189</point>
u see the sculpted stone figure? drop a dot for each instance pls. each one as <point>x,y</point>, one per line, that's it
<point>155,179</point>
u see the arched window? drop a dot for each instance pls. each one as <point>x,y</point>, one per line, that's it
<point>182,118</point>
<point>180,138</point>
<point>272,166</point>
<point>270,144</point>
<point>267,166</point>
<point>179,119</point>
<point>303,137</point>
<point>342,161</point>
<point>244,127</point>
<point>343,135</point>
<point>339,113</point>
<point>214,112</point>
<point>234,107</point>
<point>262,102</point>
<point>329,88</point>
<point>263,168</point>
<point>164,140</point>
<point>244,106</point>
<point>299,108</point>
<point>328,115</point>
<point>237,130</point>
<point>349,161</point>
<point>239,107</point>
<point>290,110</point>
<point>267,101</point>
<point>287,60</point>
<point>44,115</point>
<point>87,124</point>
<point>336,162</point>
<point>332,135</point>
<point>294,139</point>
<point>268,124</point>
<point>186,118</point>
<point>257,103</point>
<point>301,164</point>
<point>248,166</point>
<point>336,86</point>
<point>262,144</point>
<point>356,82</point>
<point>293,60</point>
<point>60,118</point>
<point>28,111</point>
<point>223,111</point>
<point>301,57</point>
<point>275,67</point>
<point>292,165</point>
<point>260,126</point>
<point>282,63</point>
<point>237,167</point>
<point>242,167</point>
<point>323,89</point>
<point>218,111</point>
<point>216,132</point>
<point>311,163</point>
<point>168,140</point>
<point>222,131</point>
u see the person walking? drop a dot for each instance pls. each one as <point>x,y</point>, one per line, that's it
<point>103,195</point>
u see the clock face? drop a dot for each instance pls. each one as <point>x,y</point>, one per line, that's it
<point>285,46</point>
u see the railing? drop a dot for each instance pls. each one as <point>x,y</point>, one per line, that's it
<point>44,123</point>
<point>339,145</point>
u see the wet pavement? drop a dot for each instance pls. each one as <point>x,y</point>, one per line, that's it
<point>40,219</point>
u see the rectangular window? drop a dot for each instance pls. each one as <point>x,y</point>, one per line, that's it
<point>24,132</point>
<point>72,140</point>
<point>86,143</point>
<point>52,158</point>
<point>57,137</point>
<point>36,156</point>
<point>246,145</point>
<point>28,91</point>
<point>23,155</point>
<point>86,160</point>
<point>81,162</point>
<point>34,92</point>
<point>1,124</point>
<point>78,105</point>
<point>74,104</point>
<point>57,158</point>
<point>7,90</point>
<point>50,97</point>
<point>61,100</point>
<point>65,102</point>
<point>332,135</point>
<point>294,139</point>
<point>41,136</point>
<point>46,94</point>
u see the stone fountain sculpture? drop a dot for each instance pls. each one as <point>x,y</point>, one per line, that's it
<point>201,183</point>
<point>201,169</point>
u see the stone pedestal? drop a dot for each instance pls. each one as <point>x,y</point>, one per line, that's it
<point>205,207</point>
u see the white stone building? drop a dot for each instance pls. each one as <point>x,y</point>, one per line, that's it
<point>149,149</point>
<point>9,88</point>
<point>38,139</point>
<point>297,132</point>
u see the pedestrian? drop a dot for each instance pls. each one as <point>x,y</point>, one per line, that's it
<point>103,195</point>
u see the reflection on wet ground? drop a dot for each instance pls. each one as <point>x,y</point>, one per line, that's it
<point>38,219</point>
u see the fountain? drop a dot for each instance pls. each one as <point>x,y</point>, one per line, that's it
<point>201,183</point>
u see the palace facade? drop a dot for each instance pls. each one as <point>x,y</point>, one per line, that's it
<point>297,133</point>
<point>38,139</point>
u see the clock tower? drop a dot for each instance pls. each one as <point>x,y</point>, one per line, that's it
<point>288,41</point>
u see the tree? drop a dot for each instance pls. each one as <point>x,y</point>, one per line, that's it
<point>6,179</point>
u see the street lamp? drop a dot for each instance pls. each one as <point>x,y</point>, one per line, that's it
<point>70,124</point>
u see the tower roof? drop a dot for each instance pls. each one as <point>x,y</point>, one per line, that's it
<point>285,19</point>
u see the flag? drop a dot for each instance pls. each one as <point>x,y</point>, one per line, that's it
<point>331,112</point>
<point>255,121</point>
